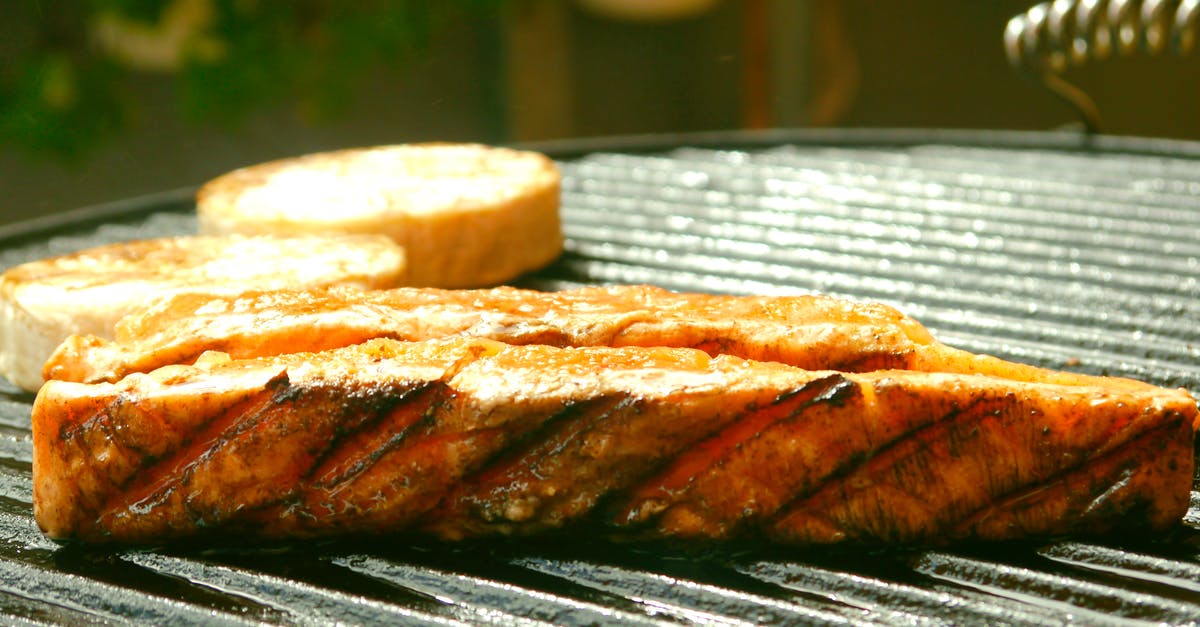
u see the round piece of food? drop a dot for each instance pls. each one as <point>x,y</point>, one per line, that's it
<point>43,302</point>
<point>467,215</point>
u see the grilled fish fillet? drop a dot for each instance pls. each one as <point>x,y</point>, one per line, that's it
<point>813,332</point>
<point>86,292</point>
<point>465,437</point>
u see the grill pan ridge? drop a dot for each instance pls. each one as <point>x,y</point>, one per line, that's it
<point>1031,247</point>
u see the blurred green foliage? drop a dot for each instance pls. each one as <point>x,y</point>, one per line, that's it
<point>65,85</point>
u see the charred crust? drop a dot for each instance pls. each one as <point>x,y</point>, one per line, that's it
<point>374,411</point>
<point>665,490</point>
<point>1105,505</point>
<point>493,492</point>
<point>979,406</point>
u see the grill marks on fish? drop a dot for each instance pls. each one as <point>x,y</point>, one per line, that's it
<point>247,456</point>
<point>367,437</point>
<point>1108,491</point>
<point>679,489</point>
<point>136,449</point>
<point>924,478</point>
<point>405,467</point>
<point>672,444</point>
<point>921,474</point>
<point>522,483</point>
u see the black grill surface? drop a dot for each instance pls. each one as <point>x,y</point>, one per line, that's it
<point>1072,254</point>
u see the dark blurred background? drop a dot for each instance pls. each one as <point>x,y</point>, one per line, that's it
<point>106,99</point>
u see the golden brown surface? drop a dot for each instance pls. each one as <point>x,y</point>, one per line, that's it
<point>813,332</point>
<point>467,215</point>
<point>463,436</point>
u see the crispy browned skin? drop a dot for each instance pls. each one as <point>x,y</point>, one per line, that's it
<point>813,332</point>
<point>464,437</point>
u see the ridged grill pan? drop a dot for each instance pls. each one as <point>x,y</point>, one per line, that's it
<point>1063,251</point>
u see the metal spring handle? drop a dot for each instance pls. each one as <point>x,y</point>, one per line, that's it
<point>1052,37</point>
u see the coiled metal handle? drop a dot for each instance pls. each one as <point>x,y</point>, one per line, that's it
<point>1052,37</point>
